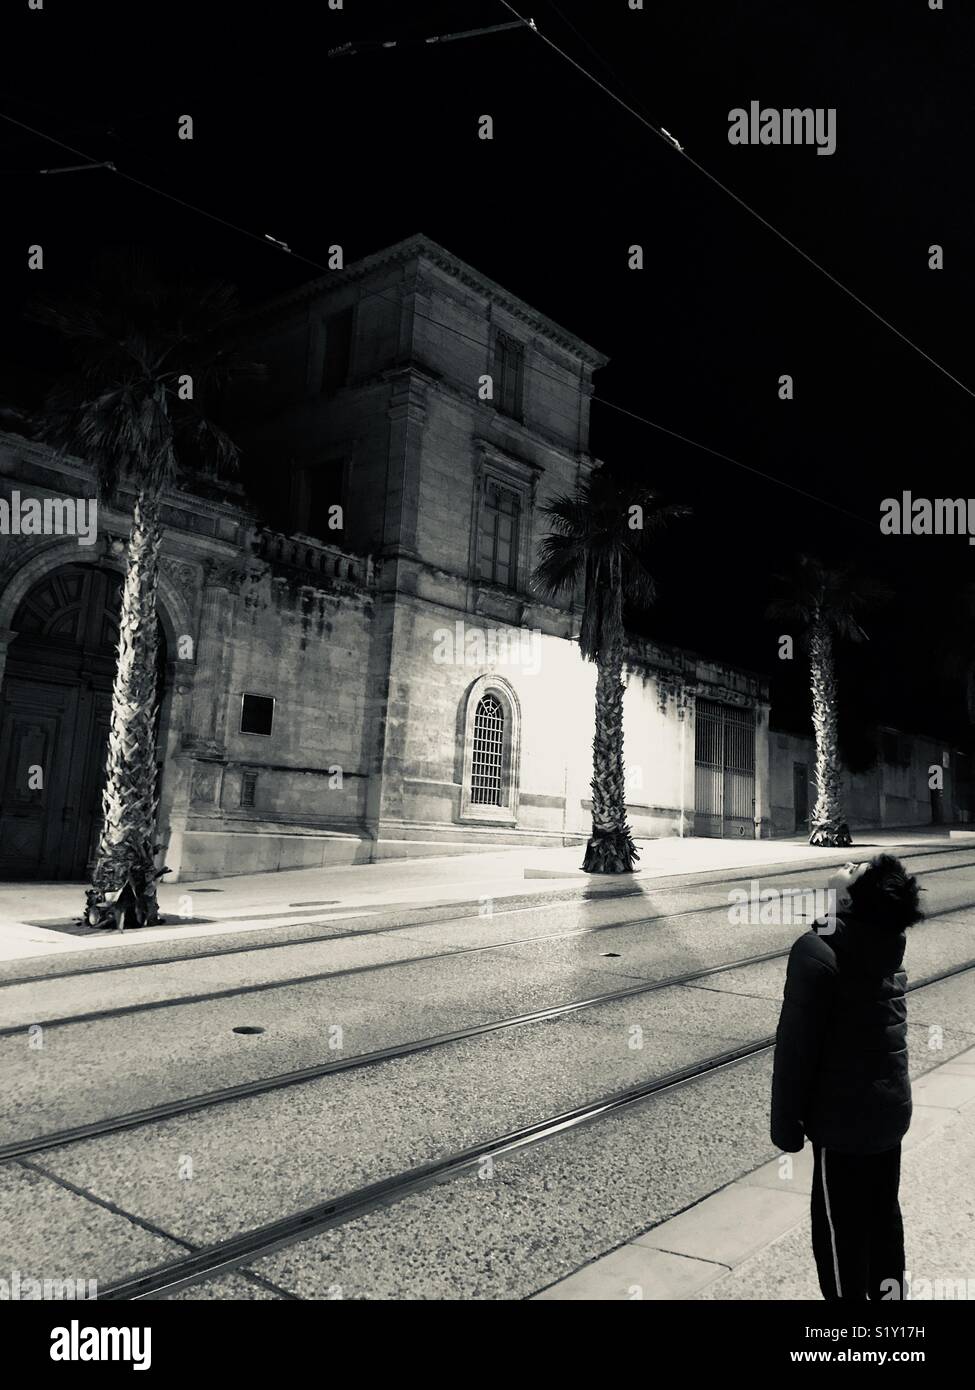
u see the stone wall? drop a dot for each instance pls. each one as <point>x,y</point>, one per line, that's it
<point>888,794</point>
<point>306,645</point>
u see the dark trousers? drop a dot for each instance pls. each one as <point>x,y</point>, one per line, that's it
<point>857,1232</point>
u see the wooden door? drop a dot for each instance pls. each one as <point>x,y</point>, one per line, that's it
<point>36,742</point>
<point>88,778</point>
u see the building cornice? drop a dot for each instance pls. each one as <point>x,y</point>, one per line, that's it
<point>420,247</point>
<point>46,456</point>
<point>687,664</point>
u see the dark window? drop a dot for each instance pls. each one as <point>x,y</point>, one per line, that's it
<point>500,515</point>
<point>256,714</point>
<point>896,750</point>
<point>487,761</point>
<point>316,488</point>
<point>338,348</point>
<point>508,374</point>
<point>248,786</point>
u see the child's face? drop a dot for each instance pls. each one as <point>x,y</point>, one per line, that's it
<point>841,879</point>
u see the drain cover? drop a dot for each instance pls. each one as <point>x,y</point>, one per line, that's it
<point>248,1028</point>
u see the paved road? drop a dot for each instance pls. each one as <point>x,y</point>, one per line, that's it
<point>112,1205</point>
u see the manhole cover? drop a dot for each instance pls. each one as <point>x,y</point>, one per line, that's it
<point>247,1028</point>
<point>615,954</point>
<point>325,902</point>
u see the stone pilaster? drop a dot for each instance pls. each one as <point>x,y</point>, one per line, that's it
<point>763,810</point>
<point>406,413</point>
<point>686,714</point>
<point>206,733</point>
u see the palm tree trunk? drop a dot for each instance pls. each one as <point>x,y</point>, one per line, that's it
<point>829,825</point>
<point>610,849</point>
<point>129,802</point>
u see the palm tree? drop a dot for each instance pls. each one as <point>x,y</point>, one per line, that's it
<point>599,539</point>
<point>824,602</point>
<point>148,357</point>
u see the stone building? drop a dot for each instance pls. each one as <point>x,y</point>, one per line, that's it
<point>354,664</point>
<point>916,780</point>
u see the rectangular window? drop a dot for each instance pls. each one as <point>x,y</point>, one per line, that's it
<point>256,714</point>
<point>338,349</point>
<point>248,788</point>
<point>508,376</point>
<point>315,490</point>
<point>500,514</point>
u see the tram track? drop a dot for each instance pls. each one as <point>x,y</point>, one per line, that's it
<point>261,1086</point>
<point>768,878</point>
<point>279,1081</point>
<point>313,977</point>
<point>222,1257</point>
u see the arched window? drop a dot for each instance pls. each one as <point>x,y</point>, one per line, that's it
<point>491,752</point>
<point>487,754</point>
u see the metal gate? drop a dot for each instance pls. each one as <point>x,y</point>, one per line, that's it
<point>724,771</point>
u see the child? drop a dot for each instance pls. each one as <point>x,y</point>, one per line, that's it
<point>840,1075</point>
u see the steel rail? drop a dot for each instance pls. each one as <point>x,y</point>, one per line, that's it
<point>23,1148</point>
<point>312,977</point>
<point>226,1255</point>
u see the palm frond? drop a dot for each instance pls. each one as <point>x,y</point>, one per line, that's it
<point>836,595</point>
<point>601,537</point>
<point>561,565</point>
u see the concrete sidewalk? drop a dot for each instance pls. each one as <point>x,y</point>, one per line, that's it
<point>532,874</point>
<point>751,1240</point>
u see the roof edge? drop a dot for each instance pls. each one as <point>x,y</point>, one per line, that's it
<point>421,247</point>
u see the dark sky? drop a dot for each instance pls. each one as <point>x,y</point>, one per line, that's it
<point>364,150</point>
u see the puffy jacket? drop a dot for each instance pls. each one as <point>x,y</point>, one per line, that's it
<point>840,1072</point>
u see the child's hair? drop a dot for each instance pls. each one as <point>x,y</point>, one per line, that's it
<point>887,894</point>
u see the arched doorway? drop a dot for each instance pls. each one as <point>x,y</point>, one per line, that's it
<point>54,722</point>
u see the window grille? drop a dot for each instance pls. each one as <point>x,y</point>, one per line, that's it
<point>487,763</point>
